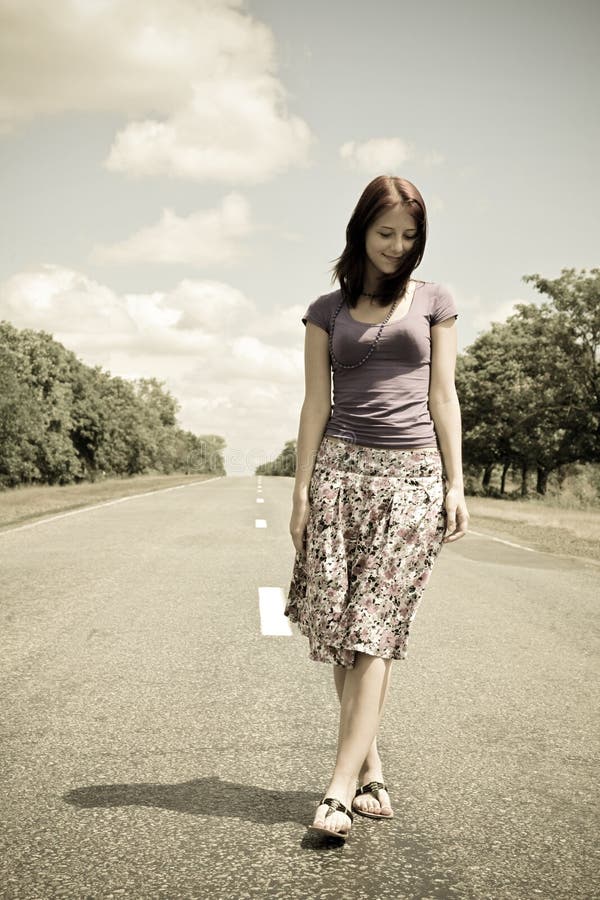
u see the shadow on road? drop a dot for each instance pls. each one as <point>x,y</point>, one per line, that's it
<point>201,797</point>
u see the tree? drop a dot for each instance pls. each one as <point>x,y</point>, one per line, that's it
<point>284,464</point>
<point>62,421</point>
<point>530,387</point>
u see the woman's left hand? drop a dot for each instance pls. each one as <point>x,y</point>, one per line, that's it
<point>457,523</point>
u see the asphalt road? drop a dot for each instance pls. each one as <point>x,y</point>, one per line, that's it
<point>155,744</point>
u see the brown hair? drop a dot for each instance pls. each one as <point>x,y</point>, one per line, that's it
<point>381,194</point>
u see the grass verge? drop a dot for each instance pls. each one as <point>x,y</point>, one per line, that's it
<point>23,504</point>
<point>538,524</point>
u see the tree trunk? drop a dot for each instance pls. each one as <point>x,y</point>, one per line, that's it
<point>487,476</point>
<point>505,469</point>
<point>542,480</point>
<point>524,469</point>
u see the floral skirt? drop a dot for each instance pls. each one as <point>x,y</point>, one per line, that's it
<point>376,523</point>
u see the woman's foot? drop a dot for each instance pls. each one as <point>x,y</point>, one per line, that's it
<point>332,819</point>
<point>375,803</point>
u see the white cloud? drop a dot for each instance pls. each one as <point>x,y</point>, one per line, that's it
<point>213,306</point>
<point>377,155</point>
<point>236,370</point>
<point>503,311</point>
<point>384,155</point>
<point>202,238</point>
<point>196,80</point>
<point>233,129</point>
<point>476,314</point>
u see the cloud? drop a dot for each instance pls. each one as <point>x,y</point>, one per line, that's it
<point>236,370</point>
<point>233,129</point>
<point>384,155</point>
<point>196,82</point>
<point>376,155</point>
<point>202,238</point>
<point>475,311</point>
<point>501,313</point>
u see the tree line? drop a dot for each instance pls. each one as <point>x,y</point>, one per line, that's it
<point>62,421</point>
<point>529,388</point>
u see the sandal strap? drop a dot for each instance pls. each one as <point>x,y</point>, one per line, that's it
<point>373,787</point>
<point>338,806</point>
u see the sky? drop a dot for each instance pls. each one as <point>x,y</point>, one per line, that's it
<point>177,176</point>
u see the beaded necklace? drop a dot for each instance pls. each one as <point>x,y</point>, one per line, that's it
<point>334,358</point>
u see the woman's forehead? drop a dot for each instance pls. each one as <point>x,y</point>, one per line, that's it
<point>396,217</point>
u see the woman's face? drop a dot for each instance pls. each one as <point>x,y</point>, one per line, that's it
<point>388,239</point>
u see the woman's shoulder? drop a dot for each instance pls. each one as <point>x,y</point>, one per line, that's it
<point>331,297</point>
<point>429,286</point>
<point>327,301</point>
<point>436,301</point>
<point>434,289</point>
<point>440,301</point>
<point>321,309</point>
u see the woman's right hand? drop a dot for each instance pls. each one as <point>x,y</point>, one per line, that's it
<point>300,514</point>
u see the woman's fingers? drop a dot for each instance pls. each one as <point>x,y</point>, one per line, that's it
<point>298,525</point>
<point>457,522</point>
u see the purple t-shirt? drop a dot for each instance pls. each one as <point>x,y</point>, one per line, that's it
<point>384,402</point>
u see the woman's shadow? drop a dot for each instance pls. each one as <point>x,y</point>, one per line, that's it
<point>201,797</point>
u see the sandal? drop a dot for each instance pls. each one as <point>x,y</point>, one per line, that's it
<point>373,787</point>
<point>337,806</point>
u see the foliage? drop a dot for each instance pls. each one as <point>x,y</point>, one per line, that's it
<point>284,464</point>
<point>530,388</point>
<point>62,421</point>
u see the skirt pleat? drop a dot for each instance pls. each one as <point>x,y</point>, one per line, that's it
<point>375,528</point>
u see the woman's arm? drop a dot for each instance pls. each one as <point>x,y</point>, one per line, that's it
<point>314,416</point>
<point>316,408</point>
<point>445,413</point>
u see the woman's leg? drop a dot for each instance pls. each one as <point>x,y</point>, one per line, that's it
<point>371,769</point>
<point>363,691</point>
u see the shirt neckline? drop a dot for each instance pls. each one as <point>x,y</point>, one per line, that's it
<point>393,320</point>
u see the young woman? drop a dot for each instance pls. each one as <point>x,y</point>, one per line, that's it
<point>379,484</point>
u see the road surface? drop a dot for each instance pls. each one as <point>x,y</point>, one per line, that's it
<point>157,744</point>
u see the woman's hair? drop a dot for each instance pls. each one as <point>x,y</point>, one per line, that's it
<point>381,194</point>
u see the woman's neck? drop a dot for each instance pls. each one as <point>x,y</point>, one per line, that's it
<point>371,291</point>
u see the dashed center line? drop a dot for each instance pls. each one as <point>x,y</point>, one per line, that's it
<point>271,602</point>
<point>260,523</point>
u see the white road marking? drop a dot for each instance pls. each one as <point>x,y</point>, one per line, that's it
<point>75,512</point>
<point>271,604</point>
<point>501,541</point>
<point>260,523</point>
<point>259,500</point>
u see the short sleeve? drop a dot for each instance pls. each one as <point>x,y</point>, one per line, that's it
<point>319,312</point>
<point>443,306</point>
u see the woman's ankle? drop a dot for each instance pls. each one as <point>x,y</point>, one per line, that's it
<point>342,788</point>
<point>371,769</point>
